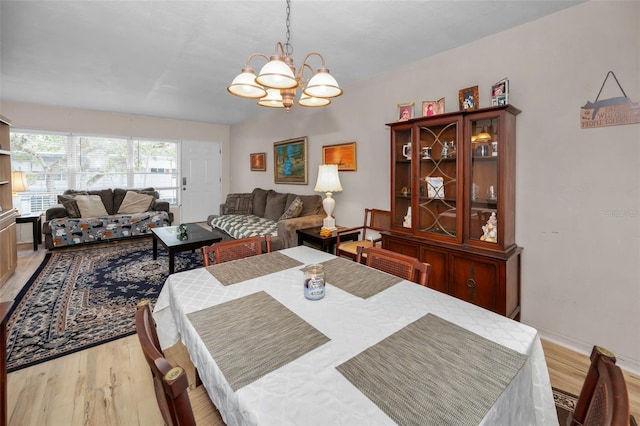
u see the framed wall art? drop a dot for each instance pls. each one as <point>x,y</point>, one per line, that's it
<point>430,108</point>
<point>343,154</point>
<point>469,98</point>
<point>405,111</point>
<point>500,93</point>
<point>290,161</point>
<point>258,161</point>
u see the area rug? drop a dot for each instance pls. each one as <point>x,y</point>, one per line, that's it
<point>85,297</point>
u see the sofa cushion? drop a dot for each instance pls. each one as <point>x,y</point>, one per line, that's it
<point>91,206</point>
<point>294,210</point>
<point>120,193</point>
<point>135,202</point>
<point>259,201</point>
<point>70,205</point>
<point>275,205</point>
<point>312,205</point>
<point>239,204</point>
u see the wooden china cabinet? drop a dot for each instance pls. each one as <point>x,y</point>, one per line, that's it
<point>453,203</point>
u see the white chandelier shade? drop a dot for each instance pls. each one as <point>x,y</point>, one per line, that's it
<point>272,100</point>
<point>277,75</point>
<point>244,85</point>
<point>323,85</point>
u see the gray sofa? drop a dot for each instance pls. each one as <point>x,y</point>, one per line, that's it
<point>267,212</point>
<point>64,225</point>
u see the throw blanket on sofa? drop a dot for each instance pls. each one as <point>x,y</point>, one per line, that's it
<point>68,231</point>
<point>245,225</point>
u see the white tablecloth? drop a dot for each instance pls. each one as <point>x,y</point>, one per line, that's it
<point>309,390</point>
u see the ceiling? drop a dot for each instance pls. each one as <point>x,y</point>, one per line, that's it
<point>175,59</point>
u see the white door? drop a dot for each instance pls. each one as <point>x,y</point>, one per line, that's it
<point>200,182</point>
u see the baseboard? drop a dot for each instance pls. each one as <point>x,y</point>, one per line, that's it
<point>623,361</point>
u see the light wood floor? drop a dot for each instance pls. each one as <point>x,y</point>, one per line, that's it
<point>111,383</point>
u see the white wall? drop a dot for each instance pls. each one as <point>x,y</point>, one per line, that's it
<point>578,191</point>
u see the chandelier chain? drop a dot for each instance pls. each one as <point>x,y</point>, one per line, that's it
<point>288,49</point>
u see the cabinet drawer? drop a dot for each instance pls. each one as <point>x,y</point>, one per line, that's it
<point>438,279</point>
<point>402,247</point>
<point>474,280</point>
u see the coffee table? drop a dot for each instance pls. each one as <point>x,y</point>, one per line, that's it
<point>168,236</point>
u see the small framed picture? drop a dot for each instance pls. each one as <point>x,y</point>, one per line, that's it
<point>405,111</point>
<point>344,155</point>
<point>430,108</point>
<point>258,161</point>
<point>469,98</point>
<point>500,93</point>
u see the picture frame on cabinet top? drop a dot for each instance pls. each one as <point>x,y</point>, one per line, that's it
<point>469,99</point>
<point>405,111</point>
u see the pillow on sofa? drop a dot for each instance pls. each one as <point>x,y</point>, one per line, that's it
<point>275,205</point>
<point>70,204</point>
<point>135,202</point>
<point>294,210</point>
<point>120,193</point>
<point>239,204</point>
<point>91,206</point>
<point>106,195</point>
<point>259,201</point>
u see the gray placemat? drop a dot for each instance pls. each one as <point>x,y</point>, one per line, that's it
<point>433,372</point>
<point>357,279</point>
<point>253,336</point>
<point>248,268</point>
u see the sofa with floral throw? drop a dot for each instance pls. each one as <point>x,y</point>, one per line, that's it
<point>267,212</point>
<point>91,216</point>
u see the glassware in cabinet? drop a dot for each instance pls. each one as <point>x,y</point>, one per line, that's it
<point>401,184</point>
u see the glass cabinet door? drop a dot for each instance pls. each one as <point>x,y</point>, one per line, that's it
<point>439,183</point>
<point>401,188</point>
<point>485,190</point>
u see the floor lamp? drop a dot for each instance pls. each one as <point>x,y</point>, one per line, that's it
<point>328,182</point>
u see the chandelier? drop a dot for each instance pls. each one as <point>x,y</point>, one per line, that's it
<point>277,83</point>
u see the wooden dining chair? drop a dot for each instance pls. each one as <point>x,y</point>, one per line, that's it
<point>397,264</point>
<point>179,405</point>
<point>225,251</point>
<point>603,400</point>
<point>375,221</point>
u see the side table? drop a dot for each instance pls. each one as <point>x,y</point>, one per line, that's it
<point>36,220</point>
<point>325,243</point>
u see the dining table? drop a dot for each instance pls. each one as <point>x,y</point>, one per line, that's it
<point>375,350</point>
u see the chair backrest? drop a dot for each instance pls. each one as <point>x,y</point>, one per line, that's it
<point>377,220</point>
<point>225,251</point>
<point>397,264</point>
<point>170,383</point>
<point>603,399</point>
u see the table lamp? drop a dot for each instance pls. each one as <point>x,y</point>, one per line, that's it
<point>328,182</point>
<point>18,184</point>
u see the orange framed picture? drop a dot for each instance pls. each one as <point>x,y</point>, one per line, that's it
<point>258,161</point>
<point>343,154</point>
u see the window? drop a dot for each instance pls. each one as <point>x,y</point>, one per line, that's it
<point>53,163</point>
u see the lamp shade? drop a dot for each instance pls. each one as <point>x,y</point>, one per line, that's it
<point>272,100</point>
<point>328,179</point>
<point>323,85</point>
<point>19,182</point>
<point>245,86</point>
<point>312,101</point>
<point>277,75</point>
